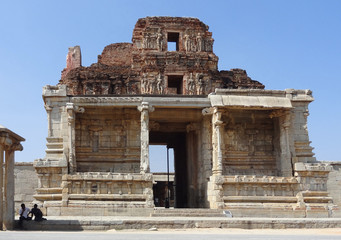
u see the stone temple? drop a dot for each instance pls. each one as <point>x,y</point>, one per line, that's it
<point>237,146</point>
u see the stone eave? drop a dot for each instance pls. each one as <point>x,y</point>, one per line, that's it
<point>250,102</point>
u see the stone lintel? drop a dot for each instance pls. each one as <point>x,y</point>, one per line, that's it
<point>164,101</point>
<point>180,101</point>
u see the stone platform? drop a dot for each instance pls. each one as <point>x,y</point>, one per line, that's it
<point>80,223</point>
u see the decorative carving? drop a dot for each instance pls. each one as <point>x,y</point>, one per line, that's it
<point>201,84</point>
<point>160,84</point>
<point>105,99</point>
<point>191,85</point>
<point>159,40</point>
<point>199,42</point>
<point>207,111</point>
<point>187,42</point>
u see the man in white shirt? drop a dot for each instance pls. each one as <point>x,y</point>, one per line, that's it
<point>23,212</point>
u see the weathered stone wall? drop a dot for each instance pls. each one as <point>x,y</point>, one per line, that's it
<point>248,141</point>
<point>334,183</point>
<point>26,182</point>
<point>108,141</point>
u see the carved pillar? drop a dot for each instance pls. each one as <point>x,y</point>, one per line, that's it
<point>48,109</point>
<point>1,183</point>
<point>217,125</point>
<point>144,162</point>
<point>71,138</point>
<point>215,185</point>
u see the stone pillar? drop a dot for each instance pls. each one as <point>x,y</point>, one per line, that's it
<point>144,162</point>
<point>286,165</point>
<point>8,214</point>
<point>215,184</point>
<point>71,137</point>
<point>1,184</point>
<point>9,143</point>
<point>217,159</point>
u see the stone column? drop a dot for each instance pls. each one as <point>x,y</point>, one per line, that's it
<point>8,214</point>
<point>9,143</point>
<point>1,183</point>
<point>71,137</point>
<point>286,165</point>
<point>144,162</point>
<point>217,159</point>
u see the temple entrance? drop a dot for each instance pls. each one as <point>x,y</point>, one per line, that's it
<point>162,167</point>
<point>180,187</point>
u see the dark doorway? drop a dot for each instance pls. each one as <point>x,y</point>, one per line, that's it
<point>175,82</point>
<point>177,141</point>
<point>162,167</point>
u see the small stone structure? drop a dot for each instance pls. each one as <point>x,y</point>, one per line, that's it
<point>9,143</point>
<point>237,146</point>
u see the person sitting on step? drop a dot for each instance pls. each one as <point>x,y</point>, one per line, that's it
<point>23,212</point>
<point>38,215</point>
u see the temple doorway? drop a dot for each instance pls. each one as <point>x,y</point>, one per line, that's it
<point>162,167</point>
<point>179,189</point>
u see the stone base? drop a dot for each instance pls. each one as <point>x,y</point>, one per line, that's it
<point>267,210</point>
<point>106,223</point>
<point>97,211</point>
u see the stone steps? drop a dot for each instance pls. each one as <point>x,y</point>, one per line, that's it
<point>187,212</point>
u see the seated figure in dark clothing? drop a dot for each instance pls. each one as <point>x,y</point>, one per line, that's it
<point>38,215</point>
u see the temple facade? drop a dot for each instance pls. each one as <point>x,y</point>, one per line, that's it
<point>237,146</point>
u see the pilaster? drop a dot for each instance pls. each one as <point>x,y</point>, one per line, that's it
<point>48,109</point>
<point>71,137</point>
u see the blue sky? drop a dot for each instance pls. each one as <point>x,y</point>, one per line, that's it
<point>283,44</point>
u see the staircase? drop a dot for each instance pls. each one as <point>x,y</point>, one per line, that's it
<point>187,212</point>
